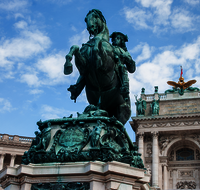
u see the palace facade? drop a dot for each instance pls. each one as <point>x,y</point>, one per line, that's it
<point>168,137</point>
<point>12,147</point>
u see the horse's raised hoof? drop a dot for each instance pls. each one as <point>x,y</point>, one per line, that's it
<point>68,67</point>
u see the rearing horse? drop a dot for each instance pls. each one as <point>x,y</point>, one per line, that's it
<point>96,64</point>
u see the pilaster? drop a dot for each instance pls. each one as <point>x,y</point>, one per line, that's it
<point>155,160</point>
<point>12,161</point>
<point>141,144</point>
<point>1,161</point>
<point>174,176</point>
<point>165,177</point>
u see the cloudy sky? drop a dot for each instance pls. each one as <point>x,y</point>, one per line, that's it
<point>36,35</point>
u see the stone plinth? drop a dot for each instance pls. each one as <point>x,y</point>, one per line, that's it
<point>99,175</point>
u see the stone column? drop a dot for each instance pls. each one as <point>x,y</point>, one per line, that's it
<point>155,159</point>
<point>165,179</point>
<point>174,176</point>
<point>12,161</point>
<point>1,161</point>
<point>26,186</point>
<point>141,144</point>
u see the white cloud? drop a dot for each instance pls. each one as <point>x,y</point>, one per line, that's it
<point>29,43</point>
<point>52,66</point>
<point>18,15</point>
<point>154,14</point>
<point>21,24</point>
<point>60,2</point>
<point>49,112</point>
<point>79,39</point>
<point>5,105</point>
<point>13,5</point>
<point>145,52</point>
<point>30,79</point>
<point>36,91</point>
<point>192,2</point>
<point>137,17</point>
<point>181,20</point>
<point>190,51</point>
<point>162,8</point>
<point>165,66</point>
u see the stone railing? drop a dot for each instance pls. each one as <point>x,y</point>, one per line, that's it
<point>150,97</point>
<point>15,138</point>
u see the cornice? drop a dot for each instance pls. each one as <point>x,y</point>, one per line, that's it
<point>14,144</point>
<point>165,117</point>
<point>169,124</point>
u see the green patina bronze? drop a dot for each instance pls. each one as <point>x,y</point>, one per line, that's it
<point>88,137</point>
<point>181,91</point>
<point>155,107</point>
<point>103,68</point>
<point>140,106</point>
<point>61,186</point>
<point>98,133</point>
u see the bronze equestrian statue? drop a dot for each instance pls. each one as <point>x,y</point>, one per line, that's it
<point>103,68</point>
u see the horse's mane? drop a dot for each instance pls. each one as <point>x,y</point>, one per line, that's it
<point>98,13</point>
<point>104,34</point>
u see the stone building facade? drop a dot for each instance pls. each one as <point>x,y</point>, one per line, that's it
<point>169,140</point>
<point>12,147</point>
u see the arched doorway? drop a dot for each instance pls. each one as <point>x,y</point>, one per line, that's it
<point>183,157</point>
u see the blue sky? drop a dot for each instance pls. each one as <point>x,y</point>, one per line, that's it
<point>36,35</point>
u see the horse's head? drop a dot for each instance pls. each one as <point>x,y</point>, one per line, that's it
<point>95,22</point>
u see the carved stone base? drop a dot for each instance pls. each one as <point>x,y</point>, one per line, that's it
<point>93,175</point>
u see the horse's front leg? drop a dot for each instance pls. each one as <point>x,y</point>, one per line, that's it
<point>68,68</point>
<point>96,44</point>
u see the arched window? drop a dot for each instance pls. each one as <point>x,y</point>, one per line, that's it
<point>184,154</point>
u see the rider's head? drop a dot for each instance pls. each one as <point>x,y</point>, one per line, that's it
<point>119,39</point>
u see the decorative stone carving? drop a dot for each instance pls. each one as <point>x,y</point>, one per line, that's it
<point>148,170</point>
<point>171,156</point>
<point>186,185</point>
<point>61,186</point>
<point>170,124</point>
<point>149,149</point>
<point>91,136</point>
<point>140,135</point>
<point>164,141</point>
<point>197,155</point>
<point>155,134</point>
<point>195,137</point>
<point>185,173</point>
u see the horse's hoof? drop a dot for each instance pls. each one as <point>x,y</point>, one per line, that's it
<point>68,68</point>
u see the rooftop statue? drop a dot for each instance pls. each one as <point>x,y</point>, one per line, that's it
<point>181,85</point>
<point>102,70</point>
<point>140,106</point>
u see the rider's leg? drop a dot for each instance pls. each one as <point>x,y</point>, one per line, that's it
<point>125,82</point>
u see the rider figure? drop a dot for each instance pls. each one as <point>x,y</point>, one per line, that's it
<point>123,60</point>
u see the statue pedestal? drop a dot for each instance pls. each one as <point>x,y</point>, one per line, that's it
<point>94,175</point>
